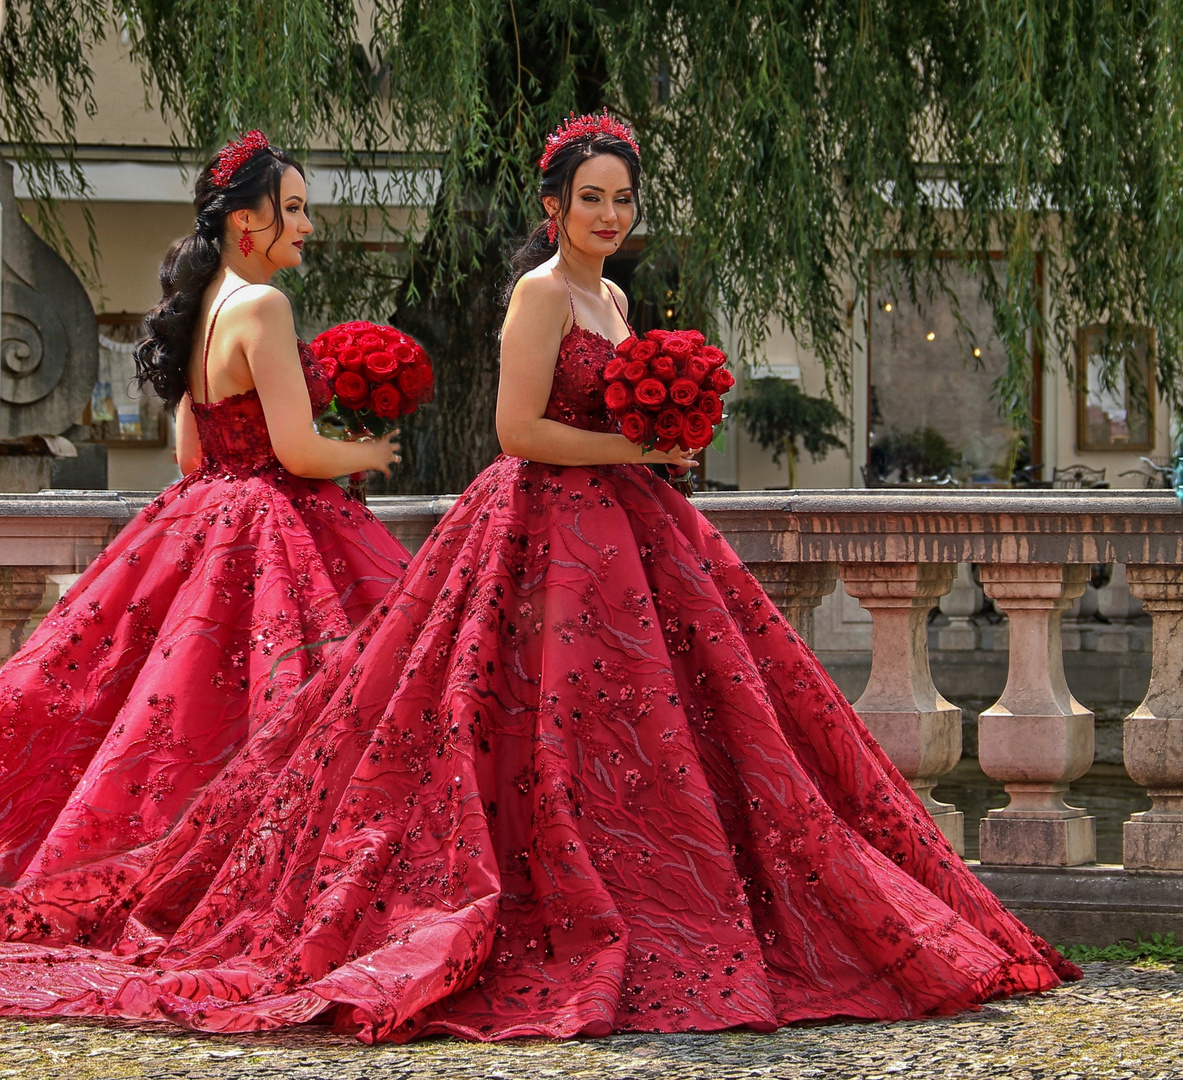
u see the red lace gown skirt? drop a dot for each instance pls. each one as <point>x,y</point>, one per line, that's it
<point>142,683</point>
<point>576,776</point>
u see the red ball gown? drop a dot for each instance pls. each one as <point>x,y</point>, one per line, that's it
<point>182,638</point>
<point>575,776</point>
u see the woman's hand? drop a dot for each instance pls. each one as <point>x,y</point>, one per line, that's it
<point>677,458</point>
<point>386,452</point>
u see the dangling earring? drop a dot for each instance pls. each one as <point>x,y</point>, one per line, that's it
<point>246,243</point>
<point>552,231</point>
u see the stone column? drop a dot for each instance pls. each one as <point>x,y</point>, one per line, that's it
<point>796,589</point>
<point>21,589</point>
<point>918,729</point>
<point>1037,738</point>
<point>1153,736</point>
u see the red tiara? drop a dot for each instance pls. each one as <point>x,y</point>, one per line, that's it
<point>583,127</point>
<point>234,155</point>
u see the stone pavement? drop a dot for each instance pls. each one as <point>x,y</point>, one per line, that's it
<point>1121,1023</point>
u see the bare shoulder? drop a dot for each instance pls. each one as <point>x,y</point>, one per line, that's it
<point>259,308</point>
<point>542,292</point>
<point>263,302</point>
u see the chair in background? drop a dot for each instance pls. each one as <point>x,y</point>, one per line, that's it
<point>1078,476</point>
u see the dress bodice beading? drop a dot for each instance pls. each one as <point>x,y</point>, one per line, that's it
<point>577,393</point>
<point>233,431</point>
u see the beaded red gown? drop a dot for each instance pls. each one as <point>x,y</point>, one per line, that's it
<point>182,638</point>
<point>575,776</point>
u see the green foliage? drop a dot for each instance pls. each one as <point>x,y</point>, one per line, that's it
<point>786,143</point>
<point>778,416</point>
<point>1160,949</point>
<point>922,452</point>
<point>291,67</point>
<point>45,78</point>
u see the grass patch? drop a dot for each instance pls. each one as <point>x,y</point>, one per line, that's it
<point>1160,949</point>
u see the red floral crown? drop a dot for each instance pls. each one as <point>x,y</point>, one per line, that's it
<point>583,127</point>
<point>234,155</point>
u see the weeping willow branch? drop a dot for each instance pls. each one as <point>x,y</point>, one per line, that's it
<point>786,142</point>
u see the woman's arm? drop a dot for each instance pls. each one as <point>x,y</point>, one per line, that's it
<point>537,318</point>
<point>188,441</point>
<point>267,336</point>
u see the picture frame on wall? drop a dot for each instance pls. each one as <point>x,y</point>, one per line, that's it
<point>1118,415</point>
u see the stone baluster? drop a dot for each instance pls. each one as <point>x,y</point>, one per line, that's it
<point>960,604</point>
<point>1153,735</point>
<point>918,729</point>
<point>797,589</point>
<point>1037,738</point>
<point>21,589</point>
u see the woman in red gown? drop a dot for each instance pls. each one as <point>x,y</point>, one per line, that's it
<point>576,776</point>
<point>186,633</point>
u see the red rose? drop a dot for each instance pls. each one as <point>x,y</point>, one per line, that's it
<point>618,397</point>
<point>722,380</point>
<point>614,369</point>
<point>650,393</point>
<point>381,366</point>
<point>632,427</point>
<point>683,392</point>
<point>625,348</point>
<point>712,405</point>
<point>370,342</point>
<point>386,401</point>
<point>677,347</point>
<point>644,350</point>
<point>351,389</point>
<point>697,369</point>
<point>659,336</point>
<point>351,360</point>
<point>406,353</point>
<point>714,357</point>
<point>669,424</point>
<point>697,431</point>
<point>334,340</point>
<point>695,338</point>
<point>636,370</point>
<point>664,368</point>
<point>417,383</point>
<point>330,366</point>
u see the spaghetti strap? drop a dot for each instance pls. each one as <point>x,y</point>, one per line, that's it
<point>570,296</point>
<point>623,318</point>
<point>209,336</point>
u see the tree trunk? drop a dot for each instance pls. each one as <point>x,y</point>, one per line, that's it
<point>447,442</point>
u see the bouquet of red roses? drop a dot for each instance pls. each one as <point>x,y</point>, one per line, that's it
<point>667,388</point>
<point>379,374</point>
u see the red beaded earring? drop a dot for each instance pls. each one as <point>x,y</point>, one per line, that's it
<point>246,243</point>
<point>552,231</point>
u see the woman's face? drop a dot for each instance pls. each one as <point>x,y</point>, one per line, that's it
<point>283,246</point>
<point>603,206</point>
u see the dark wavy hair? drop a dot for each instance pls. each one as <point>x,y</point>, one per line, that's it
<point>162,359</point>
<point>558,181</point>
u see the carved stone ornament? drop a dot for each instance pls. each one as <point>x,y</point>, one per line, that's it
<point>49,349</point>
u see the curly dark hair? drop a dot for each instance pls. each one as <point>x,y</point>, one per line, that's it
<point>558,181</point>
<point>162,359</point>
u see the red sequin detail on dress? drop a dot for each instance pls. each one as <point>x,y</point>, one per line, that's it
<point>575,776</point>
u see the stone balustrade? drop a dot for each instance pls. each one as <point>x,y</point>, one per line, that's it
<point>898,553</point>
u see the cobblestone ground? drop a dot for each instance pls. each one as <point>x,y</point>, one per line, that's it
<point>1121,1023</point>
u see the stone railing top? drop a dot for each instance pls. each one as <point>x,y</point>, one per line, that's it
<point>835,525</point>
<point>860,525</point>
